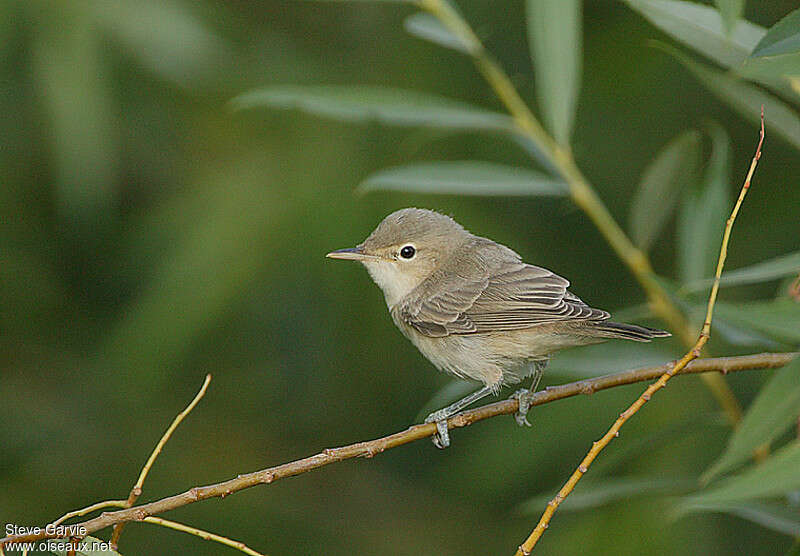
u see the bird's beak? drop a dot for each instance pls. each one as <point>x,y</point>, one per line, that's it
<point>351,254</point>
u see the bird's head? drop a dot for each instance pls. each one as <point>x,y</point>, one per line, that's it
<point>405,248</point>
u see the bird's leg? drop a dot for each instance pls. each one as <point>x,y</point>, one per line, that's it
<point>442,437</point>
<point>524,395</point>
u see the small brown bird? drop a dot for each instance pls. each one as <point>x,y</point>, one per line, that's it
<point>474,309</point>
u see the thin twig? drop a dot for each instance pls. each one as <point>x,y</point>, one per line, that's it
<point>597,447</point>
<point>372,448</point>
<point>89,509</point>
<point>581,191</point>
<point>202,534</point>
<point>136,491</point>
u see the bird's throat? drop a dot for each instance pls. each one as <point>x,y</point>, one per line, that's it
<point>394,283</point>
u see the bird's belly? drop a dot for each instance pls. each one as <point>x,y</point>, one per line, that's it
<point>496,359</point>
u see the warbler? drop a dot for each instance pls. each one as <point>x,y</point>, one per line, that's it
<point>474,308</point>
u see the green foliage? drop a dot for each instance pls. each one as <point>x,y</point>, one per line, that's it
<point>777,55</point>
<point>779,319</point>
<point>731,11</point>
<point>780,518</point>
<point>746,99</point>
<point>382,104</point>
<point>467,177</point>
<point>782,38</point>
<point>775,476</point>
<point>554,36</point>
<point>768,417</point>
<point>609,491</point>
<point>702,29</point>
<point>427,27</point>
<point>664,179</point>
<point>703,212</point>
<point>765,271</point>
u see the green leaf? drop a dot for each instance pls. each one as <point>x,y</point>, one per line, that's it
<point>773,411</point>
<point>778,518</point>
<point>466,177</point>
<point>73,87</point>
<point>164,36</point>
<point>702,29</point>
<point>427,27</point>
<point>777,55</point>
<point>776,476</point>
<point>779,319</point>
<point>596,360</point>
<point>703,212</point>
<point>782,38</point>
<point>731,11</point>
<point>89,546</point>
<point>736,335</point>
<point>770,69</point>
<point>673,167</point>
<point>555,39</point>
<point>383,104</point>
<point>609,491</point>
<point>745,99</point>
<point>773,269</point>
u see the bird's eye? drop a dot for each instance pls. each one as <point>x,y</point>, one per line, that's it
<point>408,252</point>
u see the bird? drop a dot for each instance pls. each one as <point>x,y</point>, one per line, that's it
<point>474,309</point>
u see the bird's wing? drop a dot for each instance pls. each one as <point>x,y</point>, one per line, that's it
<point>502,294</point>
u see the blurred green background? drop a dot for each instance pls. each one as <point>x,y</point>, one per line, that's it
<point>150,235</point>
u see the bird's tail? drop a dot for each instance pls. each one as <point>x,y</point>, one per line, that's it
<point>608,329</point>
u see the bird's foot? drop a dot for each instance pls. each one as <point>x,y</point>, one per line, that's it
<point>523,396</point>
<point>442,437</point>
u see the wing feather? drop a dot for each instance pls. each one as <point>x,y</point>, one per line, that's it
<point>493,293</point>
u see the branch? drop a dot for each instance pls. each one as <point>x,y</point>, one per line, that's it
<point>581,191</point>
<point>693,353</point>
<point>371,448</point>
<point>205,535</point>
<point>136,491</point>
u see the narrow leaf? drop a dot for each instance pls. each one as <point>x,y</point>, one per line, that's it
<point>779,319</point>
<point>701,28</point>
<point>673,167</point>
<point>703,212</point>
<point>731,11</point>
<point>364,103</point>
<point>770,69</point>
<point>773,269</point>
<point>75,93</point>
<point>777,55</point>
<point>778,518</point>
<point>600,359</point>
<point>464,178</point>
<point>427,27</point>
<point>776,476</point>
<point>782,38</point>
<point>555,39</point>
<point>165,37</point>
<point>745,99</point>
<point>610,491</point>
<point>773,411</point>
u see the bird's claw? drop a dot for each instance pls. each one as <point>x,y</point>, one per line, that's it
<point>524,398</point>
<point>442,437</point>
